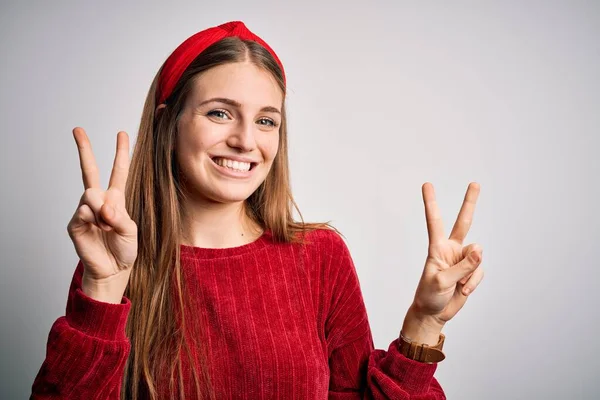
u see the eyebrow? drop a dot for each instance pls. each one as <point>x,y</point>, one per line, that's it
<point>236,104</point>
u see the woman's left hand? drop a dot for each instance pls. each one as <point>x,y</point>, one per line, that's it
<point>451,271</point>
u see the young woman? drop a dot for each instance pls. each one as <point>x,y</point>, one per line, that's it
<point>194,279</point>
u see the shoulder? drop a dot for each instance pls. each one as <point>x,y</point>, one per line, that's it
<point>320,250</point>
<point>325,239</point>
<point>327,249</point>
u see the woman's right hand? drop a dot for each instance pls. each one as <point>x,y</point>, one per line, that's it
<point>104,235</point>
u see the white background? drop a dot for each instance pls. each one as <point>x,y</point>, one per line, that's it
<point>383,96</point>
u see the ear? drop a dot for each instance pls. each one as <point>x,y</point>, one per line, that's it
<point>158,109</point>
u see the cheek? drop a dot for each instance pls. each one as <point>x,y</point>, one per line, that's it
<point>188,150</point>
<point>197,137</point>
<point>269,145</point>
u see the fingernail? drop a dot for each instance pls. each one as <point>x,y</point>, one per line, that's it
<point>474,257</point>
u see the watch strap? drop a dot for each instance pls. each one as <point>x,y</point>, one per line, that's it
<point>420,351</point>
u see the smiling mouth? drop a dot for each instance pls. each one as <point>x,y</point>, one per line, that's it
<point>232,165</point>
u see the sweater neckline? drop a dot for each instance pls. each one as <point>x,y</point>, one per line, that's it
<point>204,253</point>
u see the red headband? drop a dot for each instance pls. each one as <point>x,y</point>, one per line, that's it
<point>187,51</point>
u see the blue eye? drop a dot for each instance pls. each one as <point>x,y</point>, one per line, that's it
<point>221,114</point>
<point>270,122</point>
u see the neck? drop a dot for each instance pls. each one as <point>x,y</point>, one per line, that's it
<point>217,225</point>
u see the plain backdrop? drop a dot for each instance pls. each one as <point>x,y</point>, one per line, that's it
<point>383,96</point>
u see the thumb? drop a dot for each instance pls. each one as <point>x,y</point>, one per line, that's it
<point>472,256</point>
<point>465,252</point>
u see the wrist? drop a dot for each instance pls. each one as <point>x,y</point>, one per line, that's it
<point>102,295</point>
<point>420,328</point>
<point>107,292</point>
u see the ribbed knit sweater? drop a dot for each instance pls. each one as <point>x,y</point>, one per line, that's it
<point>284,321</point>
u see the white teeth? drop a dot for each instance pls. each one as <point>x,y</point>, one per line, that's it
<point>234,165</point>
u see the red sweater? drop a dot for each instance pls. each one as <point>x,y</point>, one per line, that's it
<point>284,321</point>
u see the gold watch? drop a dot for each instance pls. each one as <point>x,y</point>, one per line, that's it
<point>420,351</point>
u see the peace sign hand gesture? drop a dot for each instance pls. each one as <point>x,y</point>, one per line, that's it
<point>104,235</point>
<point>451,271</point>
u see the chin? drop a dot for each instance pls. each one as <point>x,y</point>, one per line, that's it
<point>232,198</point>
<point>229,195</point>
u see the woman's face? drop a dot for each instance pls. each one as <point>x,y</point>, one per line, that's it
<point>228,133</point>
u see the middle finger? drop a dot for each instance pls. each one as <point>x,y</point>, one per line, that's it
<point>465,216</point>
<point>118,177</point>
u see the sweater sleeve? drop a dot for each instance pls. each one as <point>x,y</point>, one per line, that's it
<point>86,350</point>
<point>357,369</point>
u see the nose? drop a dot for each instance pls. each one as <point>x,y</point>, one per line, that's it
<point>242,137</point>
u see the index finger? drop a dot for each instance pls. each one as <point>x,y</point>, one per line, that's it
<point>118,176</point>
<point>87,161</point>
<point>465,216</point>
<point>435,226</point>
